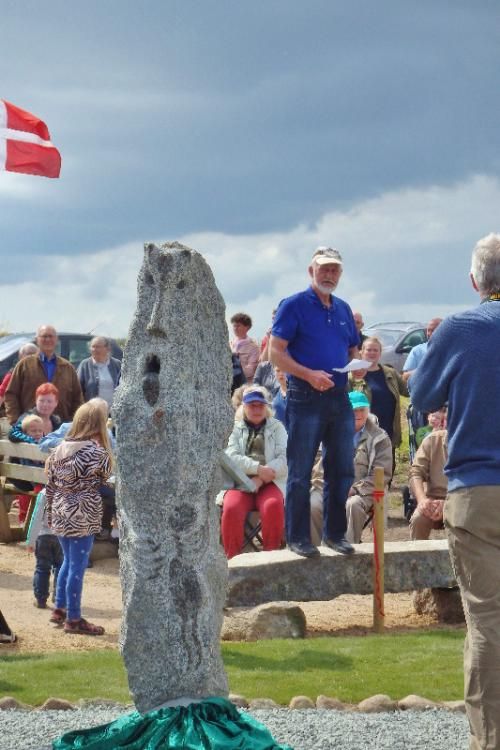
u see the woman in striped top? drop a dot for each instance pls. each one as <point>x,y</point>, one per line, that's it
<point>76,470</point>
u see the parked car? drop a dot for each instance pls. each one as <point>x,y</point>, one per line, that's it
<point>398,339</point>
<point>71,346</point>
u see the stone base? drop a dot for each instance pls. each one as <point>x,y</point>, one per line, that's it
<point>444,604</point>
<point>274,620</point>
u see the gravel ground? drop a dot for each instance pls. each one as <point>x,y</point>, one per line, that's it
<point>302,730</point>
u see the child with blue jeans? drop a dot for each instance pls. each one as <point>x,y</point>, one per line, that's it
<point>75,471</point>
<point>48,553</point>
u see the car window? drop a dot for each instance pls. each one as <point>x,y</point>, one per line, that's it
<point>78,349</point>
<point>387,337</point>
<point>413,339</point>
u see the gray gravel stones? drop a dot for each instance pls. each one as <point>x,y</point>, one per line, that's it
<point>301,729</point>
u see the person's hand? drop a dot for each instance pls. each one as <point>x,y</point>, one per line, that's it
<point>30,548</point>
<point>266,474</point>
<point>436,509</point>
<point>432,509</point>
<point>320,380</point>
<point>257,482</point>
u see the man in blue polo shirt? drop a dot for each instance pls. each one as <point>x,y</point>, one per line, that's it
<point>313,333</point>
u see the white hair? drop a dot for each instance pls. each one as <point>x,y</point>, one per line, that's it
<point>485,266</point>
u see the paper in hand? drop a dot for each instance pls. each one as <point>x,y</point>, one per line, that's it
<point>354,364</point>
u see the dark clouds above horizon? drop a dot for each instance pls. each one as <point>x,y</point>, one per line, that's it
<point>178,118</point>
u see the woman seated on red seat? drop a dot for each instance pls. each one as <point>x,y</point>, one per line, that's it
<point>258,446</point>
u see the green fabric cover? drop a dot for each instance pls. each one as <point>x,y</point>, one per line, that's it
<point>213,724</point>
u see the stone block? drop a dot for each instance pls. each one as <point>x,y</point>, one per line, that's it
<point>444,604</point>
<point>260,577</point>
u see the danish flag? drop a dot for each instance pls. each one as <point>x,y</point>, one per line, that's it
<point>25,144</point>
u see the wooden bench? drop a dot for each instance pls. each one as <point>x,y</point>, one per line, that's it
<point>9,471</point>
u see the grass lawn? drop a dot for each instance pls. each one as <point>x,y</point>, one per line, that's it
<point>428,663</point>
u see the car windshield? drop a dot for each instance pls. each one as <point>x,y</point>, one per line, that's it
<point>387,337</point>
<point>11,344</point>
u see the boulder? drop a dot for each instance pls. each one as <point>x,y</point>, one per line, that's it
<point>301,701</point>
<point>238,700</point>
<point>266,703</point>
<point>331,704</point>
<point>377,703</point>
<point>274,620</point>
<point>7,703</point>
<point>57,704</point>
<point>417,703</point>
<point>444,604</point>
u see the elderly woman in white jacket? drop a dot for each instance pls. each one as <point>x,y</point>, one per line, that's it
<point>258,446</point>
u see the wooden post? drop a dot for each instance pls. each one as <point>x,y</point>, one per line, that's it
<point>378,551</point>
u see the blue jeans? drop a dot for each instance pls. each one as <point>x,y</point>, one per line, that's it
<point>315,418</point>
<point>49,557</point>
<point>70,580</point>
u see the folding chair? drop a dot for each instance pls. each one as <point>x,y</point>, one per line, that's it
<point>253,532</point>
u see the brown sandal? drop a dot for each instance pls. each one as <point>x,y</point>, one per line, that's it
<point>82,627</point>
<point>58,616</point>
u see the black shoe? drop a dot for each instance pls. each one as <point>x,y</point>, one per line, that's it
<point>342,546</point>
<point>304,549</point>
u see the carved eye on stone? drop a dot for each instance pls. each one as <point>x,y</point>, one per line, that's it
<point>165,263</point>
<point>151,381</point>
<point>181,284</point>
<point>148,278</point>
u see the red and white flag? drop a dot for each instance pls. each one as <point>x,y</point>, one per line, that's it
<point>25,143</point>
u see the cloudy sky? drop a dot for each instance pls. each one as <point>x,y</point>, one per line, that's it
<point>253,132</point>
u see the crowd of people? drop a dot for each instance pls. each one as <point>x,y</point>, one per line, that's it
<point>336,428</point>
<point>48,403</point>
<point>309,429</point>
<point>453,380</point>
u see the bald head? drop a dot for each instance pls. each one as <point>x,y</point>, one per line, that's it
<point>432,325</point>
<point>46,338</point>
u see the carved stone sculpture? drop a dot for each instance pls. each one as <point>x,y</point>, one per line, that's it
<point>173,416</point>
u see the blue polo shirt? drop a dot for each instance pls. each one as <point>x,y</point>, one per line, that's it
<point>319,337</point>
<point>49,365</point>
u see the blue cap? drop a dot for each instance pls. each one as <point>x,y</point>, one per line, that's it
<point>254,396</point>
<point>358,400</point>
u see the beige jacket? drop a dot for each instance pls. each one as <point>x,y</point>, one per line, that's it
<point>429,463</point>
<point>374,449</point>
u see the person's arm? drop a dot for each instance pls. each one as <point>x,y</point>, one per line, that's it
<point>402,387</point>
<point>264,352</point>
<point>12,395</point>
<point>419,474</point>
<point>16,434</point>
<point>318,379</point>
<point>53,439</point>
<point>278,463</point>
<point>76,392</point>
<point>429,383</point>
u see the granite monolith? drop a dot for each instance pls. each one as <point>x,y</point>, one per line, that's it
<point>173,416</point>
